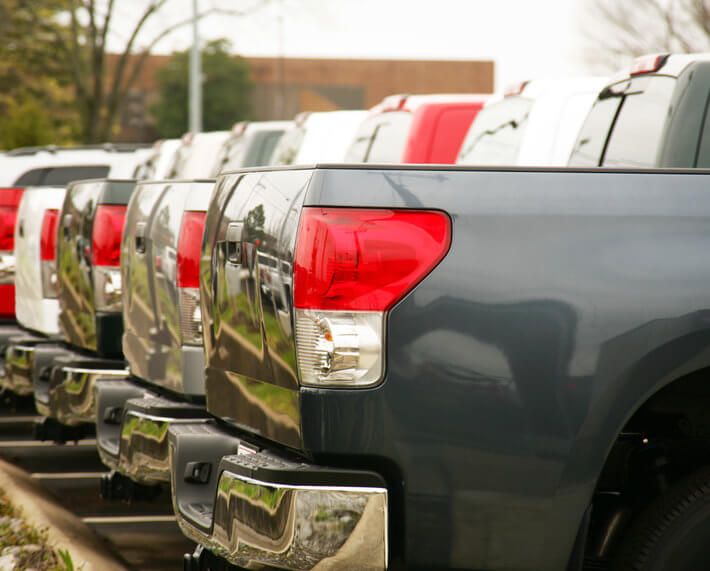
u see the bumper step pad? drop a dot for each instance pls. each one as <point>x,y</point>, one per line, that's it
<point>71,395</point>
<point>111,397</point>
<point>259,507</point>
<point>143,448</point>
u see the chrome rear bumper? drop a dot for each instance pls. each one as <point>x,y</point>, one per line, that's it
<point>71,397</point>
<point>253,507</point>
<point>7,332</point>
<point>143,454</point>
<point>23,363</point>
<point>111,398</point>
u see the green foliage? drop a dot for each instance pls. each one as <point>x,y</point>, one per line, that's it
<point>65,559</point>
<point>226,90</point>
<point>36,106</point>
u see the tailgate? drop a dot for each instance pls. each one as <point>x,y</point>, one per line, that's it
<point>140,320</point>
<point>154,343</point>
<point>251,361</point>
<point>76,274</point>
<point>32,309</point>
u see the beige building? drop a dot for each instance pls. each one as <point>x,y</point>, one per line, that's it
<point>284,87</point>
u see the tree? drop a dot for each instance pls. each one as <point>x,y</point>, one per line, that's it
<point>75,33</point>
<point>36,106</point>
<point>629,28</point>
<point>227,87</point>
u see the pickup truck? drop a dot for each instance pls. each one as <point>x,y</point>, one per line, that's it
<point>653,115</point>
<point>162,339</point>
<point>159,161</point>
<point>415,129</point>
<point>33,222</point>
<point>46,170</point>
<point>534,123</point>
<point>320,136</point>
<point>76,324</point>
<point>441,367</point>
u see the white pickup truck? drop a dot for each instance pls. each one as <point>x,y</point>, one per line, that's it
<point>34,237</point>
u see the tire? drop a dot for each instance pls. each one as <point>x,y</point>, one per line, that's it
<point>673,534</point>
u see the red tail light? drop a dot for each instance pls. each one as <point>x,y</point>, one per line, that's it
<point>351,266</point>
<point>189,247</point>
<point>48,238</point>
<point>365,260</point>
<point>106,237</point>
<point>9,201</point>
<point>188,275</point>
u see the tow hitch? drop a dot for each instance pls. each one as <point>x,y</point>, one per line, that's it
<point>203,560</point>
<point>50,429</point>
<point>115,486</point>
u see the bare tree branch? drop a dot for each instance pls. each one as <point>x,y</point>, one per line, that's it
<point>634,27</point>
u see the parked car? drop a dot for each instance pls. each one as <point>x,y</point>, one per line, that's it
<point>197,155</point>
<point>459,375</point>
<point>317,137</point>
<point>534,123</point>
<point>43,167</point>
<point>415,129</point>
<point>36,301</point>
<point>653,115</point>
<point>58,166</point>
<point>251,144</point>
<point>162,340</point>
<point>75,327</point>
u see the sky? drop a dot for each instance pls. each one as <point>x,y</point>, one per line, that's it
<point>526,38</point>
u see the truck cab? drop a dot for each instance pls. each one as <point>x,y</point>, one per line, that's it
<point>652,115</point>
<point>415,129</point>
<point>320,136</point>
<point>534,123</point>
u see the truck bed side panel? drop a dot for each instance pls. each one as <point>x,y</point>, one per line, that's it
<point>567,298</point>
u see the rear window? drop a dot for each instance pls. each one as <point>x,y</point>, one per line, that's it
<point>261,151</point>
<point>61,176</point>
<point>636,135</point>
<point>588,149</point>
<point>288,146</point>
<point>625,126</point>
<point>381,138</point>
<point>495,135</point>
<point>250,150</point>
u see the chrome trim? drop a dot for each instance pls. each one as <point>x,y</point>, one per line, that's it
<point>144,454</point>
<point>18,368</point>
<point>72,400</point>
<point>297,527</point>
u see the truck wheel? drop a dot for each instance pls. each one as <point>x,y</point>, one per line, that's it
<point>673,534</point>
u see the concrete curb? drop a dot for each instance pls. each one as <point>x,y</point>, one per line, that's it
<point>64,529</point>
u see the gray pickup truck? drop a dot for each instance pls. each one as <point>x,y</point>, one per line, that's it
<point>63,371</point>
<point>162,339</point>
<point>441,367</point>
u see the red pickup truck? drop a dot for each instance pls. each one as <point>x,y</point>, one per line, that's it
<point>415,129</point>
